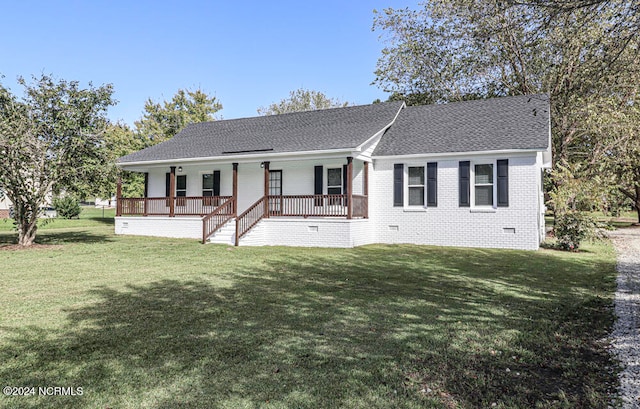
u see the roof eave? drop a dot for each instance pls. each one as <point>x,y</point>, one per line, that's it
<point>246,158</point>
<point>456,154</point>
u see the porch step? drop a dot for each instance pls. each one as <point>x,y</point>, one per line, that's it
<point>226,234</point>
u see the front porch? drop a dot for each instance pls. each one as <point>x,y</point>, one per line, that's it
<point>151,216</point>
<point>178,215</point>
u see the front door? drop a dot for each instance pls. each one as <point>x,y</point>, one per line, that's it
<point>275,189</point>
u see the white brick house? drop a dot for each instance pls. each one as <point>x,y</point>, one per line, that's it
<point>459,174</point>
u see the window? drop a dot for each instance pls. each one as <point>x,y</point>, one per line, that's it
<point>416,185</point>
<point>275,189</point>
<point>207,184</point>
<point>489,183</point>
<point>420,187</point>
<point>275,182</point>
<point>483,184</point>
<point>334,181</point>
<point>334,185</point>
<point>181,185</point>
<point>211,188</point>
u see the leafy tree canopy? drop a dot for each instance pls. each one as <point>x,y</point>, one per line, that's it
<point>162,121</point>
<point>302,100</point>
<point>50,140</point>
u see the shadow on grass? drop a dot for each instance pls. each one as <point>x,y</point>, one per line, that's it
<point>110,221</point>
<point>59,237</point>
<point>375,327</point>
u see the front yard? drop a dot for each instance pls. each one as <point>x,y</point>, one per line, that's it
<point>160,323</point>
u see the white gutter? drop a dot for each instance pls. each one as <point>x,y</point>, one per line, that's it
<point>243,158</point>
<point>471,153</point>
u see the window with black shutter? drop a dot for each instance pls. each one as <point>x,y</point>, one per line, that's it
<point>211,188</point>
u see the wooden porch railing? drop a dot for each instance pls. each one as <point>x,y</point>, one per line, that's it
<point>217,218</point>
<point>249,218</point>
<point>218,210</point>
<point>316,205</point>
<point>159,206</point>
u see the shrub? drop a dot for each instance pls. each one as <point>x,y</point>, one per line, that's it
<point>67,207</point>
<point>572,227</point>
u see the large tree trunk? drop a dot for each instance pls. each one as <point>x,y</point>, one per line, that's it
<point>635,197</point>
<point>637,204</point>
<point>27,231</point>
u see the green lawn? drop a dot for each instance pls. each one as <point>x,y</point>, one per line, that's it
<point>161,323</point>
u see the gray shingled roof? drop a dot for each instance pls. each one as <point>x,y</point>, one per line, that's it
<point>325,129</point>
<point>519,122</point>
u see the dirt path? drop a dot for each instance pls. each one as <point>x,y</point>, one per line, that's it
<point>625,339</point>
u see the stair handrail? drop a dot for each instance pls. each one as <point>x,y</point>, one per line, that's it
<point>249,218</point>
<point>212,222</point>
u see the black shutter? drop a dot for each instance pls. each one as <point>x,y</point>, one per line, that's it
<point>432,184</point>
<point>317,189</point>
<point>344,184</point>
<point>344,179</point>
<point>167,185</point>
<point>464,183</point>
<point>503,183</point>
<point>216,183</point>
<point>398,184</point>
<point>146,184</point>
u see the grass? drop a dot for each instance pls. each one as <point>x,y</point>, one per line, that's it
<point>161,323</point>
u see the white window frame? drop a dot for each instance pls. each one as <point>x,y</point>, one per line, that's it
<point>407,185</point>
<point>494,191</point>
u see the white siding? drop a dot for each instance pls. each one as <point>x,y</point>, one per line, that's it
<point>448,224</point>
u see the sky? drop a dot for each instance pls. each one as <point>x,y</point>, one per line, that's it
<point>248,54</point>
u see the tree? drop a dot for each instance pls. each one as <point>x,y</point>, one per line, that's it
<point>121,140</point>
<point>50,140</point>
<point>581,52</point>
<point>617,153</point>
<point>302,100</point>
<point>162,121</point>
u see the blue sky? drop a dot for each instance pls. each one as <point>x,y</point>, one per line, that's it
<point>246,53</point>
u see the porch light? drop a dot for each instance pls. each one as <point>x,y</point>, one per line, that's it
<point>262,164</point>
<point>180,169</point>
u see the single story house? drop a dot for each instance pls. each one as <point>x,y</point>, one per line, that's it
<point>5,204</point>
<point>458,174</point>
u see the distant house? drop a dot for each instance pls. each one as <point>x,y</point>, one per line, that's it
<point>459,174</point>
<point>5,204</point>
